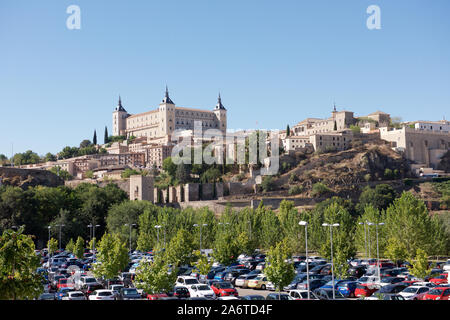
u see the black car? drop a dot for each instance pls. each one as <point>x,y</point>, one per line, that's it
<point>47,296</point>
<point>278,296</point>
<point>357,271</point>
<point>392,288</point>
<point>317,269</point>
<point>253,297</point>
<point>327,294</point>
<point>180,293</point>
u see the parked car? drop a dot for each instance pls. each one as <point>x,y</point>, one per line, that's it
<point>259,282</point>
<point>74,295</point>
<point>392,288</point>
<point>102,294</point>
<point>313,284</point>
<point>83,281</point>
<point>365,290</point>
<point>386,296</point>
<point>347,288</point>
<point>411,292</point>
<point>279,296</point>
<point>61,293</point>
<point>201,290</point>
<point>357,271</point>
<point>327,294</point>
<point>446,266</point>
<point>181,292</point>
<point>242,280</point>
<point>302,295</point>
<point>253,297</point>
<point>47,296</point>
<point>156,296</point>
<point>390,280</point>
<point>187,281</point>
<point>87,289</point>
<point>438,293</point>
<point>224,289</point>
<point>129,294</point>
<point>116,289</point>
<point>440,279</point>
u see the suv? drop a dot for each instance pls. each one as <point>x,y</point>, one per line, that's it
<point>187,281</point>
<point>83,281</point>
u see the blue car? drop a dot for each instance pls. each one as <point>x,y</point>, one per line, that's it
<point>329,284</point>
<point>220,276</point>
<point>62,293</point>
<point>348,288</point>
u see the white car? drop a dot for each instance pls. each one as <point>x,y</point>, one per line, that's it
<point>201,290</point>
<point>302,295</point>
<point>371,281</point>
<point>116,289</point>
<point>187,281</point>
<point>410,293</point>
<point>102,295</point>
<point>85,280</point>
<point>446,266</point>
<point>74,295</point>
<point>228,298</point>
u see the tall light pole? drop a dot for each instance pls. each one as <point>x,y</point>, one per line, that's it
<point>378,253</point>
<point>131,226</point>
<point>157,233</point>
<point>93,226</point>
<point>201,225</point>
<point>60,228</point>
<point>368,237</point>
<point>365,236</point>
<point>304,223</point>
<point>48,251</point>
<point>331,242</point>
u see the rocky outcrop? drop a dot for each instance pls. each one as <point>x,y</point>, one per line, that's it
<point>25,178</point>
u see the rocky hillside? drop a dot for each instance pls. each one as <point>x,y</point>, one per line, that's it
<point>24,178</point>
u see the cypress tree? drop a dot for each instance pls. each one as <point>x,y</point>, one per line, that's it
<point>288,131</point>
<point>94,140</point>
<point>106,135</point>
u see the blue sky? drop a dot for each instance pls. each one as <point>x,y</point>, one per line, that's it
<point>274,62</point>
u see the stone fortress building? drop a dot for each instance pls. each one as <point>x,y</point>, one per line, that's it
<point>167,118</point>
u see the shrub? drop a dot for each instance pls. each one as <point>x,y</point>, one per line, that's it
<point>320,189</point>
<point>268,184</point>
<point>296,190</point>
<point>292,178</point>
<point>367,177</point>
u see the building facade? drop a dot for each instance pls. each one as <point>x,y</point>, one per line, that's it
<point>167,118</point>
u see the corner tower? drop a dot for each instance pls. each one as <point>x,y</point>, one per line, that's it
<point>119,123</point>
<point>221,115</point>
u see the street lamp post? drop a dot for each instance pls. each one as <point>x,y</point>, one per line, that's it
<point>60,228</point>
<point>131,226</point>
<point>201,225</point>
<point>48,251</point>
<point>368,237</point>
<point>331,243</point>
<point>378,253</point>
<point>304,223</point>
<point>93,226</point>
<point>365,236</point>
<point>157,233</point>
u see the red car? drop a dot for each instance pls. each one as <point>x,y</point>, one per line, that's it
<point>440,279</point>
<point>222,289</point>
<point>64,283</point>
<point>438,293</point>
<point>156,296</point>
<point>365,290</point>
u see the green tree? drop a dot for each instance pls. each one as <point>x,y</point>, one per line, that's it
<point>79,248</point>
<point>70,246</point>
<point>202,263</point>
<point>180,248</point>
<point>155,276</point>
<point>18,264</point>
<point>169,167</point>
<point>278,270</point>
<point>396,250</point>
<point>419,266</point>
<point>105,138</point>
<point>226,248</point>
<point>288,131</point>
<point>112,256</point>
<point>94,139</point>
<point>52,246</point>
<point>379,197</point>
<point>408,221</point>
<point>183,173</point>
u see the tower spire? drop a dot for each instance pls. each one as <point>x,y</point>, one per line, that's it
<point>166,97</point>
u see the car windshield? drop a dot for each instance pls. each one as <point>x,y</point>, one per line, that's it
<point>435,292</point>
<point>387,280</point>
<point>104,294</point>
<point>410,290</point>
<point>191,281</point>
<point>130,291</point>
<point>225,285</point>
<point>62,281</point>
<point>77,295</point>
<point>89,280</point>
<point>203,288</point>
